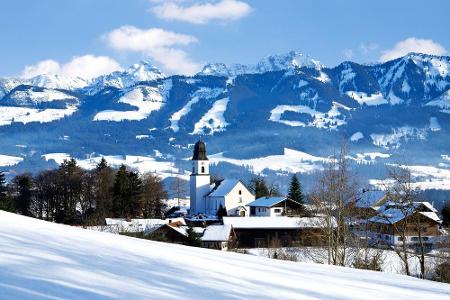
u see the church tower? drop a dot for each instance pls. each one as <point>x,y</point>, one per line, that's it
<point>200,179</point>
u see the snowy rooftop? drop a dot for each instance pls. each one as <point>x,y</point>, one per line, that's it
<point>224,188</point>
<point>274,222</point>
<point>43,260</point>
<point>267,201</point>
<point>370,198</point>
<point>216,233</point>
<point>394,215</point>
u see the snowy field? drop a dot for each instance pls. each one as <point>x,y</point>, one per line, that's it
<point>40,260</point>
<point>390,261</point>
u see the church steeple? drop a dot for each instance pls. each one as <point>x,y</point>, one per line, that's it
<point>199,151</point>
<point>199,179</point>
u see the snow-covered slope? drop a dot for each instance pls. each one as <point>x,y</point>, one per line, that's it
<point>145,99</point>
<point>40,260</point>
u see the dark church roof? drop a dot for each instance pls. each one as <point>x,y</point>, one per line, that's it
<point>199,151</point>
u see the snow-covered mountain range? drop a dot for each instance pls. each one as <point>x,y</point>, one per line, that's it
<point>288,107</point>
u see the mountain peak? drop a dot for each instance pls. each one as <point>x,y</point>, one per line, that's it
<point>279,62</point>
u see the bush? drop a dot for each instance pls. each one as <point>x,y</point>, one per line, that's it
<point>443,272</point>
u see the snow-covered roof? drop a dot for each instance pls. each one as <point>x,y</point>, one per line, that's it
<point>183,229</point>
<point>394,215</point>
<point>267,201</point>
<point>275,222</point>
<point>216,233</point>
<point>428,206</point>
<point>224,188</point>
<point>431,215</point>
<point>370,198</point>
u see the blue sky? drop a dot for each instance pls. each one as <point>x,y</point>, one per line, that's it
<point>179,36</point>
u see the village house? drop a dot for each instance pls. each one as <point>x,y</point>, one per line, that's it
<point>414,222</point>
<point>256,232</point>
<point>207,198</point>
<point>274,207</point>
<point>220,237</point>
<point>368,202</point>
<point>174,232</point>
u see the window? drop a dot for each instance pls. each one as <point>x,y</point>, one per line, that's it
<point>240,192</point>
<point>240,199</point>
<point>277,210</point>
<point>400,238</point>
<point>203,169</point>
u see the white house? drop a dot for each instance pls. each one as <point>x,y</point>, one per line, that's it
<point>206,199</point>
<point>273,207</point>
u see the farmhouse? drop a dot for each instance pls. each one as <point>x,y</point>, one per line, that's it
<point>207,198</point>
<point>220,237</point>
<point>255,232</point>
<point>274,207</point>
<point>415,223</point>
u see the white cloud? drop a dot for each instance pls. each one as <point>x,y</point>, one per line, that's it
<point>161,45</point>
<point>224,10</point>
<point>366,48</point>
<point>86,66</point>
<point>348,53</point>
<point>413,45</point>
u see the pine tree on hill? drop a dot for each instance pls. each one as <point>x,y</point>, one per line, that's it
<point>2,186</point>
<point>295,192</point>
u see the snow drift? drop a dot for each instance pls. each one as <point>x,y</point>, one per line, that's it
<point>41,260</point>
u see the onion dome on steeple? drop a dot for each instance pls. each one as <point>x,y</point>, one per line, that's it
<point>199,151</point>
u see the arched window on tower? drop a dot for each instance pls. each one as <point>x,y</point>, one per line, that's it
<point>203,169</point>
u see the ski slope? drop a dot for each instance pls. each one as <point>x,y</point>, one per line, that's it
<point>41,260</point>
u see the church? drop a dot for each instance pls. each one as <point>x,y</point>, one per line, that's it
<point>207,197</point>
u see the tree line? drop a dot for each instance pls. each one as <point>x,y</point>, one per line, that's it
<point>72,195</point>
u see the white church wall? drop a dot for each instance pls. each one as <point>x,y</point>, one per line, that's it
<point>237,197</point>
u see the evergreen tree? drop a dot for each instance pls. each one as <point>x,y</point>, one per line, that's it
<point>295,190</point>
<point>295,193</point>
<point>121,191</point>
<point>70,185</point>
<point>446,214</point>
<point>3,188</point>
<point>221,212</point>
<point>6,202</point>
<point>23,187</point>
<point>192,238</point>
<point>104,182</point>
<point>259,187</point>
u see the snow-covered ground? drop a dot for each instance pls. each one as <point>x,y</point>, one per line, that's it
<point>319,119</point>
<point>10,114</point>
<point>143,164</point>
<point>290,161</point>
<point>145,99</point>
<point>214,120</point>
<point>7,160</point>
<point>394,139</point>
<point>202,93</point>
<point>390,261</point>
<point>41,260</point>
<point>363,98</point>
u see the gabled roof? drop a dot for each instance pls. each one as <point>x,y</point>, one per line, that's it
<point>225,187</point>
<point>370,199</point>
<point>275,222</point>
<point>268,201</point>
<point>394,215</point>
<point>217,233</point>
